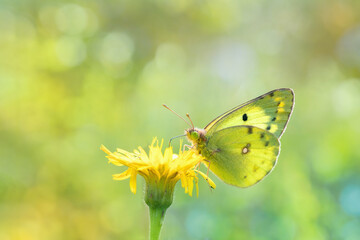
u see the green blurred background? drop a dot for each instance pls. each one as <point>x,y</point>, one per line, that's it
<point>78,74</point>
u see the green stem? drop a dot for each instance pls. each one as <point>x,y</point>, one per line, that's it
<point>156,221</point>
<point>158,196</point>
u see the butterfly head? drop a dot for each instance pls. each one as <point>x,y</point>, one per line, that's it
<point>195,135</point>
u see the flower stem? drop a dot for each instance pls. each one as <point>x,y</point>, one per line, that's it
<point>158,196</point>
<point>156,221</point>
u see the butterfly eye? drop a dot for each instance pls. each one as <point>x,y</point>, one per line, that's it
<point>194,135</point>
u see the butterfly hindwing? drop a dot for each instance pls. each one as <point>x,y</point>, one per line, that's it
<point>241,155</point>
<point>270,111</point>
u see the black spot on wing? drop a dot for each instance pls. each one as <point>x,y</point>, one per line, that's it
<point>268,127</point>
<point>266,143</point>
<point>245,117</point>
<point>262,135</point>
<point>250,130</point>
<point>273,119</point>
<point>271,94</point>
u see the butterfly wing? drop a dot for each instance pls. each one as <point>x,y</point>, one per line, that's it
<point>270,111</point>
<point>241,155</point>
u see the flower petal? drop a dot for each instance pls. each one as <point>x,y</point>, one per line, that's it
<point>107,151</point>
<point>168,154</point>
<point>191,185</point>
<point>210,182</point>
<point>183,182</point>
<point>133,181</point>
<point>197,187</point>
<point>143,155</point>
<point>122,176</point>
<point>114,161</point>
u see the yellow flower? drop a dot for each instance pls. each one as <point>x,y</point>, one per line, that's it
<point>161,171</point>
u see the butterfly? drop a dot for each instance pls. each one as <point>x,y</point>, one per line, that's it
<point>242,145</point>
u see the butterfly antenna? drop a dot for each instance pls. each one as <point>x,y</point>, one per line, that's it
<point>176,114</point>
<point>192,124</point>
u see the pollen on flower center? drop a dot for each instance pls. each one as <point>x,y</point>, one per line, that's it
<point>163,170</point>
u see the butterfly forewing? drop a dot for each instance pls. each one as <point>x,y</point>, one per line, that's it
<point>241,155</point>
<point>270,111</point>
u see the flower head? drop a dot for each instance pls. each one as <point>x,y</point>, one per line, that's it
<point>161,170</point>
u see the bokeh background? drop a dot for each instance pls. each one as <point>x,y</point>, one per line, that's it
<point>78,74</point>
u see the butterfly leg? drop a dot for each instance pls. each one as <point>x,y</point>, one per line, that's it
<point>197,167</point>
<point>188,146</point>
<point>207,174</point>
